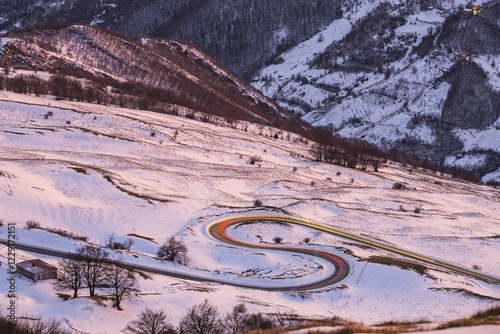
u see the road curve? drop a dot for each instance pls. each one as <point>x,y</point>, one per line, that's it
<point>218,228</point>
<point>223,223</point>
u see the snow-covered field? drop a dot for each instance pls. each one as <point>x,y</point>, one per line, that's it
<point>95,170</point>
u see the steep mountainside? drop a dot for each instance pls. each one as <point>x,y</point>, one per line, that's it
<point>164,70</point>
<point>420,76</point>
<point>243,34</point>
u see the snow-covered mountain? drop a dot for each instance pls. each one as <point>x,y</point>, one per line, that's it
<point>151,69</point>
<point>422,76</point>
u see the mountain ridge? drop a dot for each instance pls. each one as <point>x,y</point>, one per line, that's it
<point>243,34</point>
<point>167,70</point>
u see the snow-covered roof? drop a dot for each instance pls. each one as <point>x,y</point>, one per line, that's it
<point>35,266</point>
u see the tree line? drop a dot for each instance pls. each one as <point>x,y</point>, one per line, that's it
<point>358,153</point>
<point>125,95</point>
<point>349,154</point>
<point>205,318</point>
<point>328,147</point>
<point>60,86</point>
<point>134,95</point>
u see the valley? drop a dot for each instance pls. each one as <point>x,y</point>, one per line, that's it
<point>308,166</point>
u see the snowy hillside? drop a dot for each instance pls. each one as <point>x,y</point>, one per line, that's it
<point>397,74</point>
<point>95,170</point>
<point>421,76</point>
<point>152,70</point>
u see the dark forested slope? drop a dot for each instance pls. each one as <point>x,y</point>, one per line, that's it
<point>243,34</point>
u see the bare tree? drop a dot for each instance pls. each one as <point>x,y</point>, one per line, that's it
<point>95,266</point>
<point>128,243</point>
<point>150,322</point>
<point>173,250</point>
<point>201,319</point>
<point>122,282</point>
<point>70,275</point>
<point>236,321</point>
<point>111,240</point>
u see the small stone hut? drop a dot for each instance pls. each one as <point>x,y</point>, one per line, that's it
<point>36,269</point>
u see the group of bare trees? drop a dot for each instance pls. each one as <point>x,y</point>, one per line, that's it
<point>345,152</point>
<point>92,268</point>
<point>205,318</point>
<point>117,245</point>
<point>357,153</point>
<point>32,325</point>
<point>351,157</point>
<point>60,86</point>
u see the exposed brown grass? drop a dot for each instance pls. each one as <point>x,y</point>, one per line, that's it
<point>403,264</point>
<point>141,237</point>
<point>143,274</point>
<point>490,316</point>
<point>64,233</point>
<point>63,296</point>
<point>489,313</point>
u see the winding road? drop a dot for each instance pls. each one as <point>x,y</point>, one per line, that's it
<point>217,230</point>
